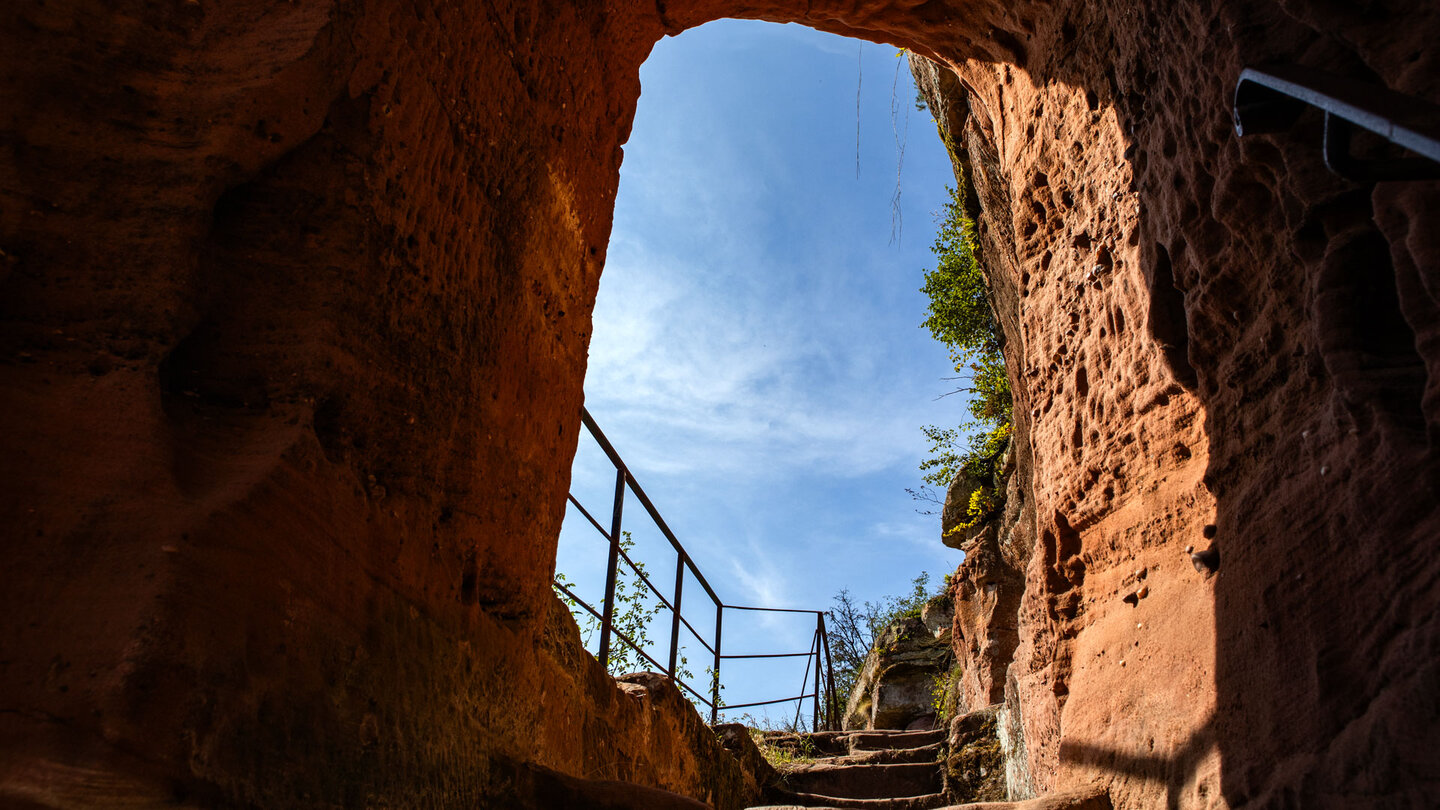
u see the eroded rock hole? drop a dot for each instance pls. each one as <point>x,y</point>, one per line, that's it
<point>1062,547</point>
<point>1168,324</point>
<point>203,368</point>
<point>187,374</point>
<point>469,590</point>
<point>1367,344</point>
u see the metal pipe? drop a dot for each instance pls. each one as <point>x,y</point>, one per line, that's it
<point>820,643</point>
<point>675,613</point>
<point>696,634</point>
<point>799,707</point>
<point>621,635</point>
<point>715,677</point>
<point>639,572</point>
<point>588,516</point>
<point>619,463</point>
<point>766,702</point>
<point>769,655</point>
<point>834,722</point>
<point>669,535</point>
<point>581,602</point>
<point>1271,98</point>
<point>815,719</point>
<point>610,567</point>
<point>771,610</point>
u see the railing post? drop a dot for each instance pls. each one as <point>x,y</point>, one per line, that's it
<point>675,619</point>
<point>819,631</point>
<point>610,569</point>
<point>834,722</point>
<point>715,683</point>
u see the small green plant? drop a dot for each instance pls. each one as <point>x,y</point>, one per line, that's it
<point>945,693</point>
<point>632,615</point>
<point>789,747</point>
<point>712,682</point>
<point>583,619</point>
<point>779,756</point>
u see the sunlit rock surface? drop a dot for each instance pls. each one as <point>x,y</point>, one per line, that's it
<point>895,688</point>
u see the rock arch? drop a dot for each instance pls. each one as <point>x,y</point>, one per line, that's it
<point>294,300</point>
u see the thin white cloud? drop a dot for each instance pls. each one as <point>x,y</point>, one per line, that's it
<point>749,381</point>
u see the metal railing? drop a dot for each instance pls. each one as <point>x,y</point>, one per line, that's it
<point>818,656</point>
<point>1271,99</point>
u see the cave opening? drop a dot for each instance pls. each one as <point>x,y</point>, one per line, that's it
<point>757,355</point>
<point>296,304</point>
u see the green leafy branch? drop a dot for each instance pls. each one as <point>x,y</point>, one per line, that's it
<point>962,317</point>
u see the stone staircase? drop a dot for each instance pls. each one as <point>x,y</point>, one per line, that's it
<point>895,770</point>
<point>881,770</point>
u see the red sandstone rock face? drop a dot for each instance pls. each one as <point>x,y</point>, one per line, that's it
<point>294,304</point>
<point>1188,351</point>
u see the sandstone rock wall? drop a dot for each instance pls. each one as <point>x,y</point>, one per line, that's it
<point>294,305</point>
<point>1204,400</point>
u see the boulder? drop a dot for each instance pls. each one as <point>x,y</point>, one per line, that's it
<point>953,514</point>
<point>896,685</point>
<point>938,614</point>
<point>975,761</point>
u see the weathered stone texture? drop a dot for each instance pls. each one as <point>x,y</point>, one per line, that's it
<point>974,758</point>
<point>896,685</point>
<point>1193,367</point>
<point>294,306</point>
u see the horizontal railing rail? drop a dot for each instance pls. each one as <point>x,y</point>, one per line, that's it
<point>1271,99</point>
<point>818,656</point>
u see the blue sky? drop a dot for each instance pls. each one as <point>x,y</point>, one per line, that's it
<point>757,357</point>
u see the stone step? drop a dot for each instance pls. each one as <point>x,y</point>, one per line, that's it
<point>1094,798</point>
<point>840,743</point>
<point>820,743</point>
<point>811,801</point>
<point>879,740</point>
<point>1088,799</point>
<point>849,781</point>
<point>887,756</point>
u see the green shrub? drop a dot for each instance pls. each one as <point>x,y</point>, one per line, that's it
<point>961,316</point>
<point>945,692</point>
